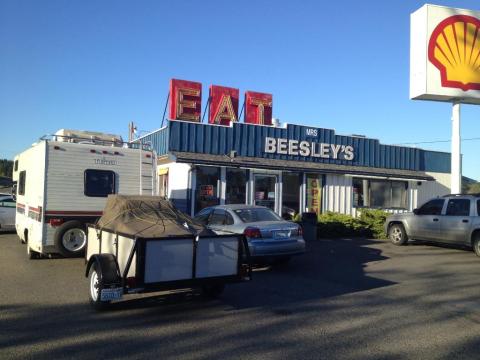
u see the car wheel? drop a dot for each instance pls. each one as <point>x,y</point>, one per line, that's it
<point>476,245</point>
<point>397,234</point>
<point>96,286</point>
<point>213,291</point>
<point>71,238</point>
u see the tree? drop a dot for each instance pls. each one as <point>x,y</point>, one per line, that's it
<point>473,188</point>
<point>6,168</point>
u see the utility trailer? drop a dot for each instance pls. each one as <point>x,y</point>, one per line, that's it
<point>144,244</point>
<point>61,183</point>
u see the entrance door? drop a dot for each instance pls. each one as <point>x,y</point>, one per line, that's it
<point>264,191</point>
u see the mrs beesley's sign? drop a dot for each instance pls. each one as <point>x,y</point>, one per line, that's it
<point>308,149</point>
<point>445,54</point>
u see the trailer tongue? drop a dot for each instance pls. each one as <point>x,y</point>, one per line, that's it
<point>144,244</point>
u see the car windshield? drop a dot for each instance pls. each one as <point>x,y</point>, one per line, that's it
<point>256,215</point>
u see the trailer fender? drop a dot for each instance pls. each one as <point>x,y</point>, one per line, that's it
<point>107,267</point>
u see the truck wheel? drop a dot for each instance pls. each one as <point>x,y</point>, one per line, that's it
<point>397,234</point>
<point>476,245</point>
<point>71,238</point>
<point>213,291</point>
<point>96,286</point>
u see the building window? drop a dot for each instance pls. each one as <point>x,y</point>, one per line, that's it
<point>99,183</point>
<point>15,166</point>
<point>291,195</point>
<point>314,193</point>
<point>236,180</point>
<point>21,182</point>
<point>360,193</point>
<point>207,192</point>
<point>264,190</point>
<point>384,194</point>
<point>163,185</point>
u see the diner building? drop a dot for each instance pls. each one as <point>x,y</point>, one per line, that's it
<point>291,169</point>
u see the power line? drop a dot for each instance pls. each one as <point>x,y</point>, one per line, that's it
<point>436,141</point>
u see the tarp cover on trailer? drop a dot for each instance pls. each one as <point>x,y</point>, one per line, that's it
<point>147,217</point>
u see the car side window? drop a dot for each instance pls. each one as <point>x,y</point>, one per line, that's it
<point>203,215</point>
<point>458,207</point>
<point>478,207</point>
<point>433,207</point>
<point>218,218</point>
<point>229,220</point>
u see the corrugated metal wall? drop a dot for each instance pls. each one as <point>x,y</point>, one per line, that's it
<point>337,194</point>
<point>158,140</point>
<point>249,140</point>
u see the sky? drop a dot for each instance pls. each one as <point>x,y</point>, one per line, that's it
<point>97,65</point>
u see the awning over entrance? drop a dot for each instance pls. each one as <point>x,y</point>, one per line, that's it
<point>262,163</point>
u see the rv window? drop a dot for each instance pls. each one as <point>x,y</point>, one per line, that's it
<point>99,183</point>
<point>21,182</point>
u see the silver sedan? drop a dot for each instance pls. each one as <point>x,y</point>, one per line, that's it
<point>269,236</point>
<point>7,212</point>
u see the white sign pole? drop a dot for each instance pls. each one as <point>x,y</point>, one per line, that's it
<point>456,161</point>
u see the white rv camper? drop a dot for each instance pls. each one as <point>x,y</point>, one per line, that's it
<point>62,183</point>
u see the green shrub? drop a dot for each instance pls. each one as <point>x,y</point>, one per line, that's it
<point>337,225</point>
<point>368,224</point>
<point>374,221</point>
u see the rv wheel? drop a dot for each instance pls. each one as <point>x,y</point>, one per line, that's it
<point>31,254</point>
<point>70,238</point>
<point>96,286</point>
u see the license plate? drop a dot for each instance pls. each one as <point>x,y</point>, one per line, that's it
<point>111,294</point>
<point>282,234</point>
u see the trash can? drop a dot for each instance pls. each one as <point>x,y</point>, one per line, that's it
<point>309,225</point>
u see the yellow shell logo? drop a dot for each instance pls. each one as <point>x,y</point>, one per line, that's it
<point>454,49</point>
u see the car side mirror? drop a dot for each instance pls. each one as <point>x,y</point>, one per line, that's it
<point>415,211</point>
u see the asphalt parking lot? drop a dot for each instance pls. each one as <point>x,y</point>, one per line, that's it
<point>345,299</point>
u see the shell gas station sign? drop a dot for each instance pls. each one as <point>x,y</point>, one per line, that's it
<point>445,55</point>
<point>445,66</point>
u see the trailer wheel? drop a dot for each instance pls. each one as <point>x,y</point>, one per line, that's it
<point>213,291</point>
<point>71,238</point>
<point>96,286</point>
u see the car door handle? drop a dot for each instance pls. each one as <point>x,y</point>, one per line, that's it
<point>465,221</point>
<point>435,219</point>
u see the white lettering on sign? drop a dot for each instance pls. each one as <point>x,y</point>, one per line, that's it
<point>308,148</point>
<point>311,132</point>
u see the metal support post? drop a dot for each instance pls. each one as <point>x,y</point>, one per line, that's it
<point>456,160</point>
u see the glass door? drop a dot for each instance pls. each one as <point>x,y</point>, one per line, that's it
<point>264,190</point>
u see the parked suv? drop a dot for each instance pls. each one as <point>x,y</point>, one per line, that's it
<point>452,219</point>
